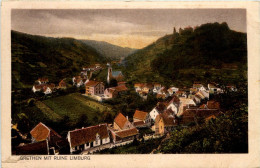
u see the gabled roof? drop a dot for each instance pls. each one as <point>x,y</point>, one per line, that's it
<point>41,86</point>
<point>41,132</point>
<point>174,99</point>
<point>120,120</point>
<point>62,83</point>
<point>121,88</point>
<point>127,133</point>
<point>197,85</point>
<point>213,104</point>
<point>139,123</point>
<point>92,83</point>
<point>160,107</point>
<point>84,135</point>
<point>168,119</point>
<point>210,85</point>
<point>43,80</point>
<point>141,115</point>
<point>158,96</point>
<point>38,148</point>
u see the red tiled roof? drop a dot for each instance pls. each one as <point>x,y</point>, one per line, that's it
<point>84,135</point>
<point>43,80</point>
<point>121,88</point>
<point>141,115</point>
<point>203,106</point>
<point>92,83</point>
<point>127,133</point>
<point>41,86</point>
<point>174,99</point>
<point>197,85</point>
<point>62,83</point>
<point>200,112</point>
<point>158,96</point>
<point>138,123</point>
<point>161,106</point>
<point>38,148</point>
<point>213,104</point>
<point>120,120</point>
<point>40,132</point>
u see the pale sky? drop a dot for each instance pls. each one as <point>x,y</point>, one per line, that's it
<point>134,28</point>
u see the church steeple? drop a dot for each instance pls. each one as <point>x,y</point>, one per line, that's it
<point>109,73</point>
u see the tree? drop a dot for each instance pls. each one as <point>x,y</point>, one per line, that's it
<point>83,121</point>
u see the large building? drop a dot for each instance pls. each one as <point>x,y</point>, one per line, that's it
<point>90,137</point>
<point>94,88</point>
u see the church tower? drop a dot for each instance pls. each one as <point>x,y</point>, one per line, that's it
<point>109,74</point>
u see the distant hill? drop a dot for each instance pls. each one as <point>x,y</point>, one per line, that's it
<point>108,50</point>
<point>209,52</point>
<point>55,58</point>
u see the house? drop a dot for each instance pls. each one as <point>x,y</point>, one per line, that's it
<point>160,96</point>
<point>111,92</point>
<point>197,115</point>
<point>115,91</point>
<point>121,83</point>
<point>164,91</point>
<point>138,86</point>
<point>156,87</point>
<point>45,88</point>
<point>231,88</point>
<point>144,87</point>
<point>48,89</point>
<point>165,122</point>
<point>94,88</point>
<point>77,81</point>
<point>42,81</point>
<point>159,108</point>
<point>41,133</point>
<point>181,93</point>
<point>172,90</point>
<point>141,119</point>
<point>122,123</point>
<point>213,89</point>
<point>114,75</point>
<point>185,102</point>
<point>86,138</point>
<point>174,104</point>
<point>123,130</point>
<point>213,104</point>
<point>37,88</point>
<point>62,84</point>
<point>199,87</point>
<point>37,148</point>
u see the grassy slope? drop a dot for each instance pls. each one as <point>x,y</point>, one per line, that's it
<point>74,105</point>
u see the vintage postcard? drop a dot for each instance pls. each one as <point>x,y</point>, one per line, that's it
<point>130,84</point>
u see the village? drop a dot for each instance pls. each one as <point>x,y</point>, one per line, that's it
<point>176,107</point>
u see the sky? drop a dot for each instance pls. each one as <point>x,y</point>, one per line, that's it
<point>134,28</point>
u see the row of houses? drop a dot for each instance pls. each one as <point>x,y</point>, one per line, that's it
<point>43,85</point>
<point>46,141</point>
<point>143,89</point>
<point>164,118</point>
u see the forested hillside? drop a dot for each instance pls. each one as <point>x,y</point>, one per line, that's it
<point>55,58</point>
<point>110,51</point>
<point>209,52</point>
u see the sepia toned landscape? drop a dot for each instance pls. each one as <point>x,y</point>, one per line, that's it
<point>132,81</point>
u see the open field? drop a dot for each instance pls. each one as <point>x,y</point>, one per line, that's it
<point>75,105</point>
